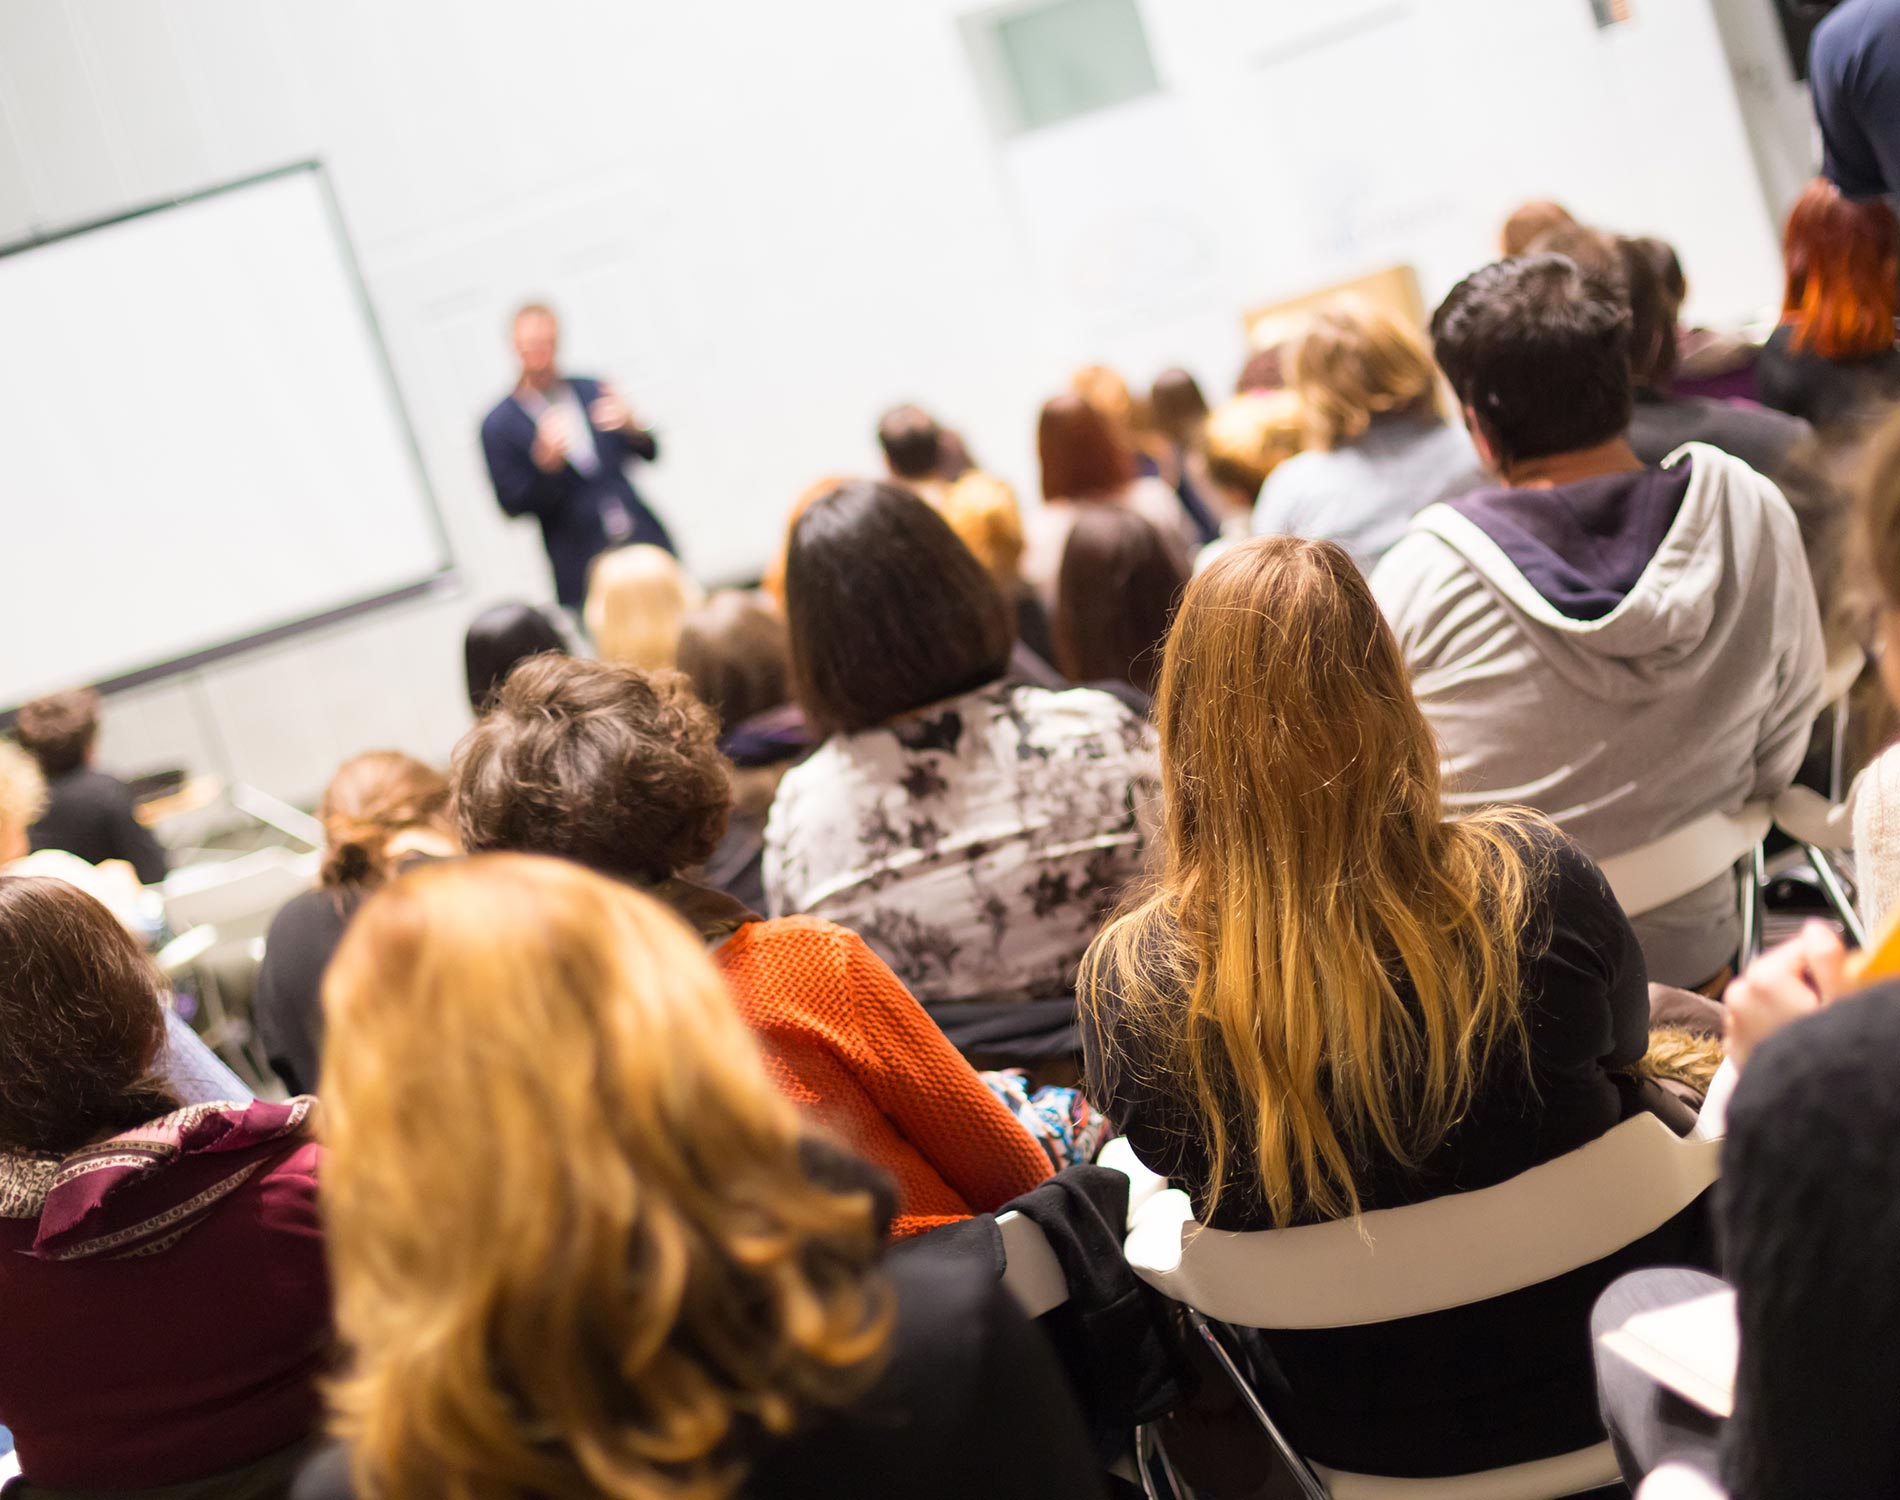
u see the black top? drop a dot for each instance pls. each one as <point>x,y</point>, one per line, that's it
<point>1586,995</point>
<point>1826,393</point>
<point>1809,1208</point>
<point>1763,439</point>
<point>1498,1382</point>
<point>288,1008</point>
<point>970,1404</point>
<point>91,814</point>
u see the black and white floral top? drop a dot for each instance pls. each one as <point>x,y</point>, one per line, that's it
<point>976,846</point>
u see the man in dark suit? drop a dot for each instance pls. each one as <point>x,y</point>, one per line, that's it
<point>557,449</point>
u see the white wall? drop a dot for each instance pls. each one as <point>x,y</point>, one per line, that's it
<point>769,221</point>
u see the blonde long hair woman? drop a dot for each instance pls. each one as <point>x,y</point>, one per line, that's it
<point>583,1248</point>
<point>1336,999</point>
<point>637,602</point>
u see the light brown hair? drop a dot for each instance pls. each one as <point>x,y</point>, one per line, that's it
<point>982,511</point>
<point>1248,437</point>
<point>372,798</point>
<point>734,651</point>
<point>578,1250</point>
<point>1531,222</point>
<point>59,729</point>
<point>1354,361</point>
<point>1308,861</point>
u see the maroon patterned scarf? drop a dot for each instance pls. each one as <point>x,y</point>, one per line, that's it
<point>139,1192</point>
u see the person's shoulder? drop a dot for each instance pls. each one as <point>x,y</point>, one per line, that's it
<point>309,914</point>
<point>791,951</point>
<point>504,414</point>
<point>948,1311</point>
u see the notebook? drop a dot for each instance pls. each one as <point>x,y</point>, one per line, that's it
<point>1689,1348</point>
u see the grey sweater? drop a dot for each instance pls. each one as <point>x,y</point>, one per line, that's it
<point>1694,693</point>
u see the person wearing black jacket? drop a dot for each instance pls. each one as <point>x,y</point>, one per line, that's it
<point>557,448</point>
<point>88,813</point>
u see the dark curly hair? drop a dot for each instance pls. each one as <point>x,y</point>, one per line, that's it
<point>611,767</point>
<point>81,1025</point>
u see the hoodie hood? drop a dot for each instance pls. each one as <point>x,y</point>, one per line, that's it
<point>1631,582</point>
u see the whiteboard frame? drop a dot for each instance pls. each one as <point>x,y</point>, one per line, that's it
<point>444,580</point>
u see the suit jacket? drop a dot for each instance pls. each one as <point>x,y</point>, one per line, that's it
<point>570,506</point>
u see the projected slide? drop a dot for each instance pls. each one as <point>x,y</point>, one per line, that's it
<point>203,445</point>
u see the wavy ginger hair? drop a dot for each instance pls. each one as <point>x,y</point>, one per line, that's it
<point>576,1251</point>
<point>1308,861</point>
<point>1843,263</point>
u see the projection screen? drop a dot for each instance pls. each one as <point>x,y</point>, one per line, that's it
<point>202,447</point>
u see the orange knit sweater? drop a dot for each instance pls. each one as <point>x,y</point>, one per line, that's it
<point>846,1040</point>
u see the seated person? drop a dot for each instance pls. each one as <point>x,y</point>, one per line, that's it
<point>498,638</point>
<point>973,831</point>
<point>87,813</point>
<point>1114,598</point>
<point>115,883</point>
<point>1832,362</point>
<point>164,1310</point>
<point>637,599</point>
<point>618,771</point>
<point>914,451</point>
<point>983,512</point>
<point>1627,649</point>
<point>1246,438</point>
<point>1810,1179</point>
<point>1764,439</point>
<point>1378,447</point>
<point>592,1229</point>
<point>381,812</point>
<point>1339,999</point>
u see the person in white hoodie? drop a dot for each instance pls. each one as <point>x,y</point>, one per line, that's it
<point>1626,648</point>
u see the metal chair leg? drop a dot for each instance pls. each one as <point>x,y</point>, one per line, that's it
<point>1753,875</point>
<point>1303,1475</point>
<point>1836,892</point>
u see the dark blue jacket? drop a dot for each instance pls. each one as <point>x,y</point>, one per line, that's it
<point>571,507</point>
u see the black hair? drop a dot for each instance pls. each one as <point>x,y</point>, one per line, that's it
<point>888,610</point>
<point>1538,350</point>
<point>912,442</point>
<point>500,639</point>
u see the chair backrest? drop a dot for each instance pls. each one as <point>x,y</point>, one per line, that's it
<point>1119,1156</point>
<point>1680,1481</point>
<point>1685,860</point>
<point>241,894</point>
<point>1031,1272</point>
<point>1447,1252</point>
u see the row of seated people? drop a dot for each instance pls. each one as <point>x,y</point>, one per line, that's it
<point>1334,996</point>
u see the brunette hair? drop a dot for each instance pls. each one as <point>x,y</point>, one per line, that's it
<point>583,1249</point>
<point>1354,361</point>
<point>734,650</point>
<point>1843,263</point>
<point>58,730</point>
<point>1176,407</point>
<point>1082,456</point>
<point>1115,594</point>
<point>1309,862</point>
<point>1530,223</point>
<point>912,442</point>
<point>888,610</point>
<point>370,799</point>
<point>1653,308</point>
<point>1538,350</point>
<point>610,767</point>
<point>82,1027</point>
<point>637,598</point>
<point>498,640</point>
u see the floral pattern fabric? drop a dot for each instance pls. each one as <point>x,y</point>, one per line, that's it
<point>977,846</point>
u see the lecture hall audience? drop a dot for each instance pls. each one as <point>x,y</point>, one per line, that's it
<point>970,829</point>
<point>1625,648</point>
<point>589,1250</point>
<point>618,770</point>
<point>382,812</point>
<point>1338,999</point>
<point>164,1308</point>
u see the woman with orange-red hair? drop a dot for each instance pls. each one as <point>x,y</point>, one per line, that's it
<point>588,1250</point>
<point>1832,360</point>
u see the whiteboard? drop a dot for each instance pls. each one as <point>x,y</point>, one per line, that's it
<point>201,444</point>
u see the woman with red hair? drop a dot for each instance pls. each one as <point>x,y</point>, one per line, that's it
<point>1833,360</point>
<point>1086,461</point>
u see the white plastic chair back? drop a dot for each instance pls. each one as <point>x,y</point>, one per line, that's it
<point>238,896</point>
<point>1031,1272</point>
<point>1679,1481</point>
<point>1672,866</point>
<point>1119,1156</point>
<point>1426,1257</point>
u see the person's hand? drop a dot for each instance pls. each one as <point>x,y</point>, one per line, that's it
<point>550,443</point>
<point>609,413</point>
<point>1784,984</point>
